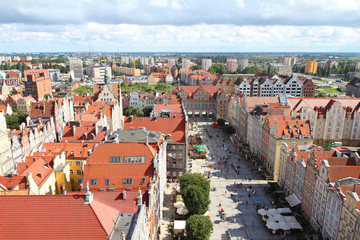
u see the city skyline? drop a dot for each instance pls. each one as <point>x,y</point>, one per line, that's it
<point>173,26</point>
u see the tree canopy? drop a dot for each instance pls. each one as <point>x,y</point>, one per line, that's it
<point>133,111</point>
<point>196,199</point>
<point>217,68</point>
<point>198,227</point>
<point>14,121</point>
<point>189,179</point>
<point>147,110</point>
<point>195,67</point>
<point>221,122</point>
<point>84,89</point>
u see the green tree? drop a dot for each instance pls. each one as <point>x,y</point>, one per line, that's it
<point>220,122</point>
<point>14,121</point>
<point>147,110</point>
<point>198,227</point>
<point>84,89</point>
<point>196,199</point>
<point>47,96</point>
<point>217,68</point>
<point>327,146</point>
<point>195,67</point>
<point>134,111</point>
<point>190,179</point>
<point>229,129</point>
<point>70,79</point>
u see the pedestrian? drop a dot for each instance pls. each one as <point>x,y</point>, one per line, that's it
<point>249,195</point>
<point>246,203</point>
<point>225,193</point>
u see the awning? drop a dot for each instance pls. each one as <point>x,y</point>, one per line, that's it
<point>179,224</point>
<point>293,200</point>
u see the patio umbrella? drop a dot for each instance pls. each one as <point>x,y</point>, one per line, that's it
<point>273,211</point>
<point>272,225</point>
<point>262,211</point>
<point>179,204</point>
<point>182,211</point>
<point>279,218</point>
<point>255,200</point>
<point>284,225</point>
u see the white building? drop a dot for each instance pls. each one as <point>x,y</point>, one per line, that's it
<point>134,99</point>
<point>243,63</point>
<point>185,64</point>
<point>76,68</point>
<point>206,64</point>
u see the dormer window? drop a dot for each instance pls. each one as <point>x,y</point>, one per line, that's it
<point>168,137</point>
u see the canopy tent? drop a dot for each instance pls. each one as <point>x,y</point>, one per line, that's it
<point>284,210</point>
<point>284,225</point>
<point>293,200</point>
<point>273,211</point>
<point>279,218</point>
<point>262,212</point>
<point>179,224</point>
<point>182,211</point>
<point>293,222</point>
<point>273,225</point>
<point>179,204</point>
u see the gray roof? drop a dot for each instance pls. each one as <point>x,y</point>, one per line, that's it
<point>136,135</point>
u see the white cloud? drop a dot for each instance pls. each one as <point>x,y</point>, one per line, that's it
<point>202,37</point>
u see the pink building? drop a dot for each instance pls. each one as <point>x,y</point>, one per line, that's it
<point>231,65</point>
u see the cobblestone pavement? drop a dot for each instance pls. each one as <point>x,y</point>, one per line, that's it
<point>243,221</point>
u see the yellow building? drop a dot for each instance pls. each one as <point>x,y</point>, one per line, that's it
<point>311,67</point>
<point>349,221</point>
<point>76,154</point>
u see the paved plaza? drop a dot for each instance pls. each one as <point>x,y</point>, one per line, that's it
<point>243,221</point>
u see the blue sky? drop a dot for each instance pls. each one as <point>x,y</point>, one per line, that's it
<point>180,25</point>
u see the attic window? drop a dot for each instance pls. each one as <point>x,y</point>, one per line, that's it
<point>115,159</point>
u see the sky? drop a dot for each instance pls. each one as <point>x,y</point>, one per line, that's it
<point>180,25</point>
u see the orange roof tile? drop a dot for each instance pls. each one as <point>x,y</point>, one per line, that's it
<point>174,126</point>
<point>12,181</point>
<point>98,166</point>
<point>340,172</point>
<point>39,166</point>
<point>73,150</point>
<point>74,219</point>
<point>83,134</point>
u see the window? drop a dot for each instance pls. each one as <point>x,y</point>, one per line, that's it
<point>72,181</point>
<point>351,221</point>
<point>93,182</point>
<point>70,163</point>
<point>71,172</point>
<point>180,147</point>
<point>107,182</point>
<point>78,163</point>
<point>143,181</point>
<point>127,180</point>
<point>79,181</point>
<point>115,159</point>
<point>78,172</point>
<point>180,156</point>
<point>345,216</point>
<point>134,159</point>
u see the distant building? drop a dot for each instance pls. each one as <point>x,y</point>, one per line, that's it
<point>311,67</point>
<point>231,65</point>
<point>281,68</point>
<point>76,69</point>
<point>146,60</point>
<point>353,87</point>
<point>243,63</point>
<point>330,64</point>
<point>155,78</point>
<point>54,74</point>
<point>206,64</point>
<point>290,60</point>
<point>98,72</point>
<point>185,64</point>
<point>37,84</point>
<point>171,62</point>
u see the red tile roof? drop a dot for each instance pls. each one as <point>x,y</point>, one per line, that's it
<point>81,100</point>
<point>42,109</point>
<point>293,128</point>
<point>98,166</point>
<point>100,107</point>
<point>175,109</point>
<point>211,90</point>
<point>340,172</point>
<point>48,217</point>
<point>174,126</point>
<point>72,150</point>
<point>39,166</point>
<point>70,136</point>
<point>12,181</point>
<point>252,101</point>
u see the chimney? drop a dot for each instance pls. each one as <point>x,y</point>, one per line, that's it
<point>124,195</point>
<point>155,119</point>
<point>74,130</point>
<point>88,195</point>
<point>139,198</point>
<point>38,174</point>
<point>27,165</point>
<point>131,119</point>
